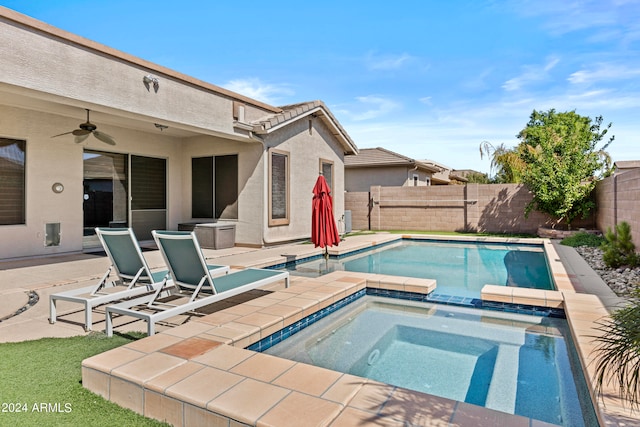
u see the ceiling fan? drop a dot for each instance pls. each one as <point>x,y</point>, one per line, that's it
<point>87,128</point>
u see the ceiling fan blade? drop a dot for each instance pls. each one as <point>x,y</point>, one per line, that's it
<point>66,133</point>
<point>104,137</point>
<point>81,138</point>
<point>80,132</point>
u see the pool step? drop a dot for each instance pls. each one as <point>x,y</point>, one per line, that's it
<point>504,382</point>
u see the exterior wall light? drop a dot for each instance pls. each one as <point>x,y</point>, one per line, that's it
<point>149,80</point>
<point>57,188</point>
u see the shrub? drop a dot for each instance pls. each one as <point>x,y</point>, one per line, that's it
<point>583,239</point>
<point>618,352</point>
<point>618,248</point>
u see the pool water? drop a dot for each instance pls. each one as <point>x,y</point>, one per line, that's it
<point>460,269</point>
<point>513,363</point>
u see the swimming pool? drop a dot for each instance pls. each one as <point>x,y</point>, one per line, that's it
<point>513,363</point>
<point>460,268</point>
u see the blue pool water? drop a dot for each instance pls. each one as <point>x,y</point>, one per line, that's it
<point>460,269</point>
<point>513,363</point>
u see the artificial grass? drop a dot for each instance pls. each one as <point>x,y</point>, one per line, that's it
<point>583,239</point>
<point>463,233</point>
<point>41,384</point>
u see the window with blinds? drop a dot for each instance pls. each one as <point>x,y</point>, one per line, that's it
<point>278,187</point>
<point>12,181</point>
<point>326,168</point>
<point>214,187</point>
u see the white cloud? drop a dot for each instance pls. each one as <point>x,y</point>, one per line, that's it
<point>256,89</point>
<point>604,72</point>
<point>388,62</point>
<point>605,20</point>
<point>531,74</point>
<point>371,107</point>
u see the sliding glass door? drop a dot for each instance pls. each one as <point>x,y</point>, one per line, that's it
<point>109,179</point>
<point>148,195</point>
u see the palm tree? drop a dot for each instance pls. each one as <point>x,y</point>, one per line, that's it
<point>505,161</point>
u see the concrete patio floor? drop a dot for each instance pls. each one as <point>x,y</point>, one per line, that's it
<point>582,293</point>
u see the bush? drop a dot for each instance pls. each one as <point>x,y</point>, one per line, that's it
<point>583,239</point>
<point>617,352</point>
<point>618,248</point>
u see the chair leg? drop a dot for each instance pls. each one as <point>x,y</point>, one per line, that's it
<point>87,317</point>
<point>52,310</point>
<point>109,324</point>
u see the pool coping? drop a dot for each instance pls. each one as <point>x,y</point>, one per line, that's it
<point>161,376</point>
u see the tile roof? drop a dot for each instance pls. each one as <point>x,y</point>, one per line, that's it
<point>374,157</point>
<point>293,112</point>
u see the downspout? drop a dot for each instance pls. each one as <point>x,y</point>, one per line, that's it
<point>265,186</point>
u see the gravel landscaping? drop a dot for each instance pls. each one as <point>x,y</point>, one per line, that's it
<point>621,280</point>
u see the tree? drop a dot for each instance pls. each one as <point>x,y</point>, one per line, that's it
<point>563,162</point>
<point>505,161</point>
<point>477,178</point>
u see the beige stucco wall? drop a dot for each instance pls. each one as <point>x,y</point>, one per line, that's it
<point>46,78</point>
<point>361,179</point>
<point>61,160</point>
<point>250,183</point>
<point>32,61</point>
<point>305,151</point>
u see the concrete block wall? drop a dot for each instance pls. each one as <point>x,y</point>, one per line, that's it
<point>618,199</point>
<point>475,207</point>
<point>358,204</point>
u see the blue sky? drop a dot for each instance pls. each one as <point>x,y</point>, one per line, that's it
<point>427,78</point>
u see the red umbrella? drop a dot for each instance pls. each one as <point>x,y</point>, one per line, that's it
<point>323,225</point>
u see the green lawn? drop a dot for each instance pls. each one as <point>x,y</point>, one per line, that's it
<point>41,384</point>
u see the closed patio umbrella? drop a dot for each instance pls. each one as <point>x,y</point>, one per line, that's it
<point>324,232</point>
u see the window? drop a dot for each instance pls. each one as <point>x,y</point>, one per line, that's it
<point>416,178</point>
<point>278,187</point>
<point>214,187</point>
<point>428,181</point>
<point>326,169</point>
<point>12,180</point>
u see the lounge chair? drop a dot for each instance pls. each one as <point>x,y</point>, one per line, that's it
<point>132,275</point>
<point>193,286</point>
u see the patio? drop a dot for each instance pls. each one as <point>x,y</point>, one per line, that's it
<point>151,376</point>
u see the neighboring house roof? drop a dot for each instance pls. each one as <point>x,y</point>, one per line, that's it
<point>626,164</point>
<point>293,112</point>
<point>446,174</point>
<point>379,157</point>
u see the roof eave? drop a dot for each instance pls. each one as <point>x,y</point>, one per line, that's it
<point>327,118</point>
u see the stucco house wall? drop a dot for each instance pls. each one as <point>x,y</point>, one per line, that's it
<point>361,179</point>
<point>48,77</point>
<point>306,150</point>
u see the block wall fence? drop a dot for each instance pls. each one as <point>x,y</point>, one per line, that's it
<point>495,208</point>
<point>618,199</point>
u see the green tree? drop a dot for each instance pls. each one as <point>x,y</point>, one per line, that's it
<point>478,178</point>
<point>563,162</point>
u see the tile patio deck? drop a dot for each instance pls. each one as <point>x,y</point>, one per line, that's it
<point>199,373</point>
